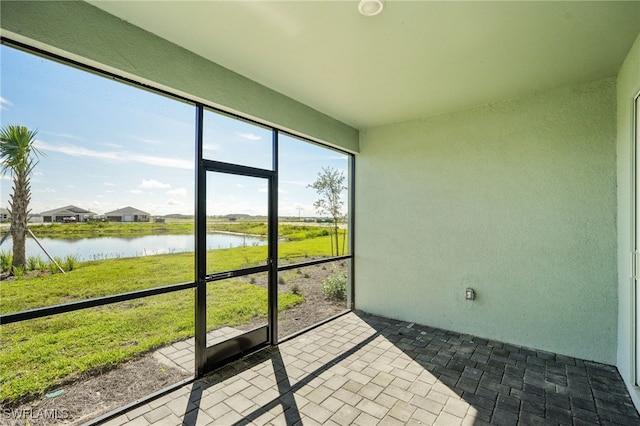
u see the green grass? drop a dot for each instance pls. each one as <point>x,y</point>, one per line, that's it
<point>290,232</point>
<point>39,354</point>
<point>108,229</point>
<point>113,276</point>
<point>111,229</point>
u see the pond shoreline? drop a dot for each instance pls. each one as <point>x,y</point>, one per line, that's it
<point>109,246</point>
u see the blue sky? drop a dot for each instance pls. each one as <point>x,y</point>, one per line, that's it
<point>106,145</point>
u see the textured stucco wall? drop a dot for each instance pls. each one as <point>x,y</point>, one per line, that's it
<point>628,85</point>
<point>516,200</point>
<point>80,31</point>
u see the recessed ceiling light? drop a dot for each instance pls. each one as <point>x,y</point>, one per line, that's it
<point>370,7</point>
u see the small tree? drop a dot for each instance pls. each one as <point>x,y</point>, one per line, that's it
<point>329,186</point>
<point>16,148</point>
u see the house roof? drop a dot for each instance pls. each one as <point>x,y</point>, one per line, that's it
<point>67,211</point>
<point>415,59</point>
<point>127,211</point>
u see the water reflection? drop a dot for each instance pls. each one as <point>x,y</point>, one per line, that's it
<point>115,247</point>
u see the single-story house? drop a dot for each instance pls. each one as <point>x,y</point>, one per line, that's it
<point>66,214</point>
<point>128,214</point>
<point>5,216</point>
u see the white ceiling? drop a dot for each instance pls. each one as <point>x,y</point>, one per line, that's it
<point>416,58</point>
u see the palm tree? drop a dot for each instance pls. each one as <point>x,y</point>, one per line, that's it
<point>16,147</point>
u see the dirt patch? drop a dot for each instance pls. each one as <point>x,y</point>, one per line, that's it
<point>308,282</point>
<point>316,306</point>
<point>6,276</point>
<point>91,396</point>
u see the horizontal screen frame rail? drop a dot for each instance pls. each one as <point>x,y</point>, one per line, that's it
<point>214,166</point>
<point>91,303</point>
<point>123,297</point>
<point>314,262</point>
<point>217,276</point>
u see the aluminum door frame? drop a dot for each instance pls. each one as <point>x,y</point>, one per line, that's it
<point>209,358</point>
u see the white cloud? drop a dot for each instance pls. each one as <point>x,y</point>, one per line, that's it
<point>210,147</point>
<point>46,190</point>
<point>163,162</point>
<point>136,191</point>
<point>182,192</point>
<point>4,103</point>
<point>239,185</point>
<point>166,207</point>
<point>294,182</point>
<point>153,184</point>
<point>109,184</point>
<point>38,174</point>
<point>62,135</point>
<point>265,190</point>
<point>99,207</point>
<point>144,140</point>
<point>249,136</point>
<point>119,156</point>
<point>291,209</point>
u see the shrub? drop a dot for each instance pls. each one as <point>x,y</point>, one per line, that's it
<point>42,265</point>
<point>52,265</point>
<point>5,261</point>
<point>70,262</point>
<point>33,262</point>
<point>295,289</point>
<point>18,271</point>
<point>335,286</point>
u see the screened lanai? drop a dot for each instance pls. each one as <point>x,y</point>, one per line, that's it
<point>484,252</point>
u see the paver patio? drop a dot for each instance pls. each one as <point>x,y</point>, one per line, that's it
<point>365,370</point>
<point>182,354</point>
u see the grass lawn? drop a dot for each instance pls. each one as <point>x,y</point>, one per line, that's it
<point>108,229</point>
<point>40,354</point>
<point>114,229</point>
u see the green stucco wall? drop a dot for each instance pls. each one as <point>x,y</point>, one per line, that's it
<point>628,85</point>
<point>516,200</point>
<point>80,31</point>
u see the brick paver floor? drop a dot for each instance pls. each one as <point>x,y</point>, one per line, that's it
<point>182,354</point>
<point>362,369</point>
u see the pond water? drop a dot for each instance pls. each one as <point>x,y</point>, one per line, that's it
<point>114,247</point>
